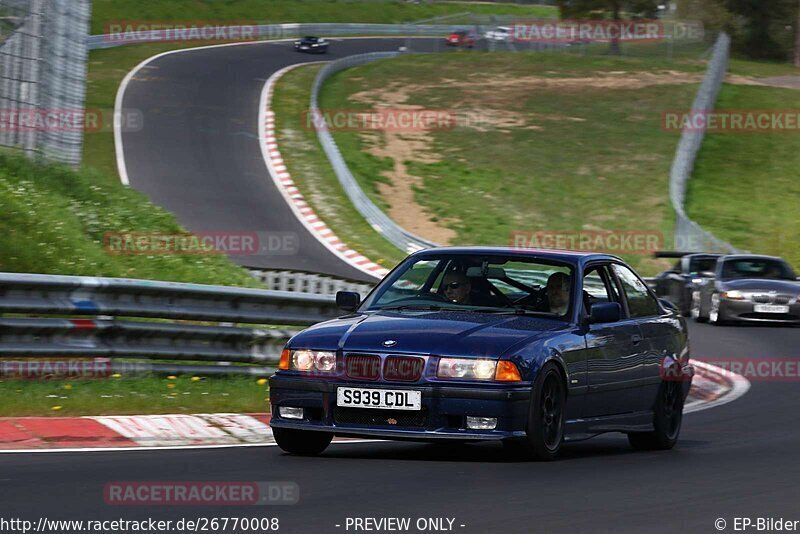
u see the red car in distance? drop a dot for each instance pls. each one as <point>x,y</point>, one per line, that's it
<point>460,38</point>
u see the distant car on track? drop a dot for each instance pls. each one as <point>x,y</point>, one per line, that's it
<point>677,284</point>
<point>501,33</point>
<point>482,343</point>
<point>747,288</point>
<point>461,38</point>
<point>312,44</point>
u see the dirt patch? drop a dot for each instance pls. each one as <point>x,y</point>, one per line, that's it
<point>499,96</point>
<point>789,82</point>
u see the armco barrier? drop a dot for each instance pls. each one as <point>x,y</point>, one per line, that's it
<point>102,328</point>
<point>688,234</point>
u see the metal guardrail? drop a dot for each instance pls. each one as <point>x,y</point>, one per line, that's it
<point>278,31</point>
<point>381,222</point>
<point>102,329</point>
<point>688,234</point>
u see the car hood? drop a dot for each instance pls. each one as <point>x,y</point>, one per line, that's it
<point>441,333</point>
<point>755,284</point>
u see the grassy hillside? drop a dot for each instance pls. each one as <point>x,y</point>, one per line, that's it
<point>746,186</point>
<point>277,11</point>
<point>54,220</point>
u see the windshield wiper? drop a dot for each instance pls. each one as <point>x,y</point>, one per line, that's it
<point>516,310</point>
<point>429,307</point>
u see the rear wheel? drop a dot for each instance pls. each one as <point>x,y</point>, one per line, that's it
<point>714,316</point>
<point>667,419</point>
<point>302,442</point>
<point>546,416</point>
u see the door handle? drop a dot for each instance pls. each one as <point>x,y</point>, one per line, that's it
<point>636,339</point>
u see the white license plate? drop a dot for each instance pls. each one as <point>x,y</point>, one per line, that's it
<point>770,308</point>
<point>387,399</point>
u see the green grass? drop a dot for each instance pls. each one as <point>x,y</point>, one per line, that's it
<point>308,11</point>
<point>746,186</point>
<point>313,174</point>
<point>597,159</point>
<point>54,221</point>
<point>132,395</point>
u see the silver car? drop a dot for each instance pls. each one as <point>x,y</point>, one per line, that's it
<point>747,288</point>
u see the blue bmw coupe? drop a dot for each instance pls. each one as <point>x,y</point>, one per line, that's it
<point>528,347</point>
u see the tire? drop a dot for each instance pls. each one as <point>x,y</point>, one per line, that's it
<point>667,420</point>
<point>546,418</point>
<point>302,442</point>
<point>715,317</point>
<point>696,309</point>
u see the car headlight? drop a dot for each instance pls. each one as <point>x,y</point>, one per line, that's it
<point>315,44</point>
<point>480,369</point>
<point>697,280</point>
<point>308,360</point>
<point>732,295</point>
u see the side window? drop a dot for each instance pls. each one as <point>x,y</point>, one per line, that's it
<point>596,289</point>
<point>640,302</point>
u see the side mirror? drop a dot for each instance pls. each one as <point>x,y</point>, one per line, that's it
<point>605,312</point>
<point>668,305</point>
<point>707,274</point>
<point>348,301</point>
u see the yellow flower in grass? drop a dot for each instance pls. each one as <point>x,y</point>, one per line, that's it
<point>67,386</point>
<point>116,375</point>
<point>196,378</point>
<point>55,408</point>
<point>172,377</point>
<point>170,386</point>
<point>261,381</point>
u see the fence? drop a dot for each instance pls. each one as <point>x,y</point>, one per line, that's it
<point>302,282</point>
<point>690,236</point>
<point>103,329</point>
<point>43,58</point>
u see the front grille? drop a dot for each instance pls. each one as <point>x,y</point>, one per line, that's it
<point>363,366</point>
<point>388,418</point>
<point>403,368</point>
<point>765,298</point>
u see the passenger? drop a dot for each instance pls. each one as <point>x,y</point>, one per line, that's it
<point>558,291</point>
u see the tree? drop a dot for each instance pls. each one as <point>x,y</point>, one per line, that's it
<point>604,9</point>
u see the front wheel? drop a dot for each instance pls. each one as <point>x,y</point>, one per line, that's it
<point>667,419</point>
<point>546,416</point>
<point>302,442</point>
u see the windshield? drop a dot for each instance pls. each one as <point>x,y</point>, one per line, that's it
<point>757,268</point>
<point>487,284</point>
<point>699,265</point>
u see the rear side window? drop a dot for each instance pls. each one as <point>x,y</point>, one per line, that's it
<point>640,302</point>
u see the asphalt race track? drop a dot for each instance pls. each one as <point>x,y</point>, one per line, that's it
<point>736,460</point>
<point>198,154</point>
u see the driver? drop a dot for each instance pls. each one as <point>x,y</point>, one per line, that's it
<point>558,293</point>
<point>457,287</point>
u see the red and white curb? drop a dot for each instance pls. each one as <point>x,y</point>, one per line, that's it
<point>284,183</point>
<point>711,387</point>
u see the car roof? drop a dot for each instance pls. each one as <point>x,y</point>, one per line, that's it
<point>751,257</point>
<point>565,256</point>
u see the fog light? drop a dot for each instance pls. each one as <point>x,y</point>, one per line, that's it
<point>288,412</point>
<point>480,423</point>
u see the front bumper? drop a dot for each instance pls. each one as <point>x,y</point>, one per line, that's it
<point>744,310</point>
<point>443,414</point>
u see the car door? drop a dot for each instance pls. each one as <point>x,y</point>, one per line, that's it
<point>659,330</point>
<point>612,349</point>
